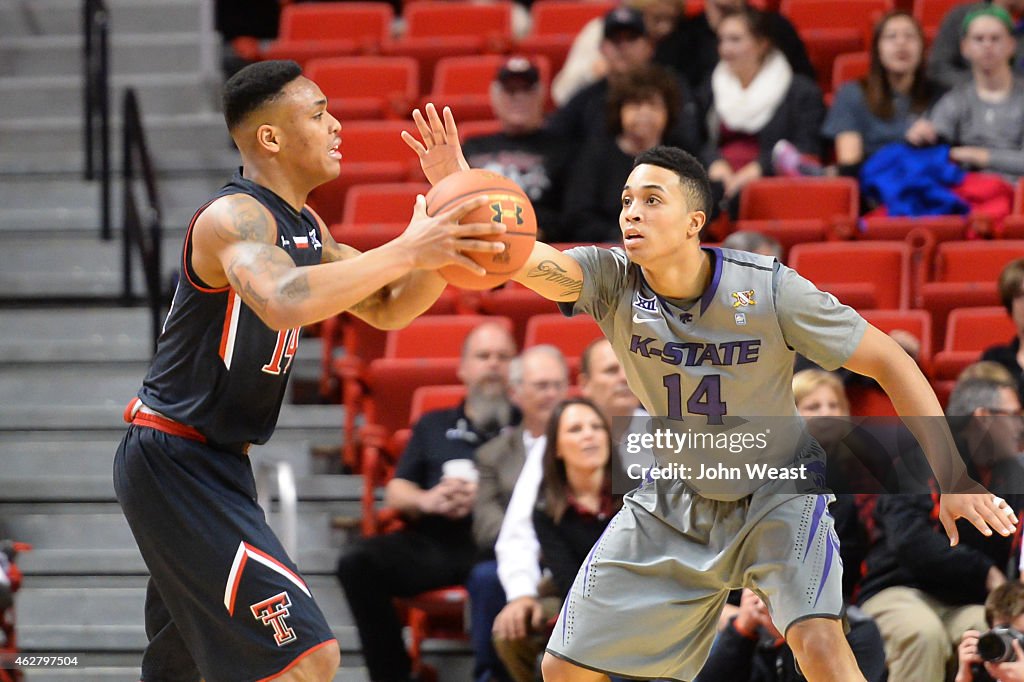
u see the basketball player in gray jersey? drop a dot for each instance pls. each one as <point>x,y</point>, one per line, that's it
<point>705,334</point>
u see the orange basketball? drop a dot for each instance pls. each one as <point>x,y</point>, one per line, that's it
<point>507,203</point>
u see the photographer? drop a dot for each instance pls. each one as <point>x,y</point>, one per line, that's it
<point>1003,608</point>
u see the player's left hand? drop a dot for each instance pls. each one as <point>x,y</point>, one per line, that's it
<point>985,511</point>
<point>1009,672</point>
<point>440,151</point>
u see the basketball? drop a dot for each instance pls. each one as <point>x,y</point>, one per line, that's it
<point>507,203</point>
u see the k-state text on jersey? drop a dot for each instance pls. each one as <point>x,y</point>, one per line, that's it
<point>691,354</point>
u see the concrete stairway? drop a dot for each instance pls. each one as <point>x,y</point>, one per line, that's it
<point>70,357</point>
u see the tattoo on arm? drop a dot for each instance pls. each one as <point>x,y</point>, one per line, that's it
<point>247,222</point>
<point>297,289</point>
<point>254,300</point>
<point>550,271</point>
<point>259,262</point>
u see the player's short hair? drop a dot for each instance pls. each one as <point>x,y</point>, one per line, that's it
<point>1010,281</point>
<point>254,86</point>
<point>1005,603</point>
<point>692,175</point>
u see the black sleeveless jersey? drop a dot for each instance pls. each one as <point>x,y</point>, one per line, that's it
<point>218,367</point>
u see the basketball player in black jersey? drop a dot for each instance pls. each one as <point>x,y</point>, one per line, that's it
<point>224,600</point>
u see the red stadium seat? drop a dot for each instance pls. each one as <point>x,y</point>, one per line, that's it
<point>941,228</point>
<point>969,332</point>
<point>556,23</point>
<point>372,151</point>
<point>930,13</point>
<point>571,335</point>
<point>382,203</point>
<point>880,269</point>
<point>517,303</point>
<point>832,27</point>
<point>436,336</point>
<point>849,67</point>
<point>435,30</point>
<point>798,210</point>
<point>463,83</point>
<point>366,87</point>
<point>471,129</point>
<point>917,322</point>
<point>331,29</point>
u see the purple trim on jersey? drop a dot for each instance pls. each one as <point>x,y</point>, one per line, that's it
<point>829,555</point>
<point>716,277</point>
<point>819,509</point>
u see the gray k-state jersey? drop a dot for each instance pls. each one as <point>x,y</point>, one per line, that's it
<point>715,364</point>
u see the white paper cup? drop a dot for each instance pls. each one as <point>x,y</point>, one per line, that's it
<point>463,469</point>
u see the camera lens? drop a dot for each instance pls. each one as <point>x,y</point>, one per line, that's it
<point>995,646</point>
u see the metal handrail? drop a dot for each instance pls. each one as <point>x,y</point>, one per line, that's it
<point>96,103</point>
<point>142,229</point>
<point>287,528</point>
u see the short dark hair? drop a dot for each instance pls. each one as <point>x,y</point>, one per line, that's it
<point>256,85</point>
<point>692,175</point>
<point>646,83</point>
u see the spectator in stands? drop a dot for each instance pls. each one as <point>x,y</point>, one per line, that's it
<point>538,380</point>
<point>585,63</point>
<point>524,151</point>
<point>1004,607</point>
<point>641,109</point>
<point>923,593</point>
<point>692,48</point>
<point>946,64</point>
<point>627,48</point>
<point>879,109</point>
<point>982,119</point>
<point>754,99</point>
<point>602,381</point>
<point>754,242</point>
<point>574,504</point>
<point>436,547</point>
<point>1011,293</point>
<point>751,649</point>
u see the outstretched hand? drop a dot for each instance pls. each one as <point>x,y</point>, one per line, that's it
<point>436,241</point>
<point>985,511</point>
<point>440,151</point>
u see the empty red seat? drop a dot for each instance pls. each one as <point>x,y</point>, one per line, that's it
<point>435,30</point>
<point>382,203</point>
<point>331,29</point>
<point>930,13</point>
<point>941,228</point>
<point>571,335</point>
<point>366,87</point>
<point>517,303</point>
<point>850,66</point>
<point>880,270</point>
<point>917,322</point>
<point>969,332</point>
<point>798,210</point>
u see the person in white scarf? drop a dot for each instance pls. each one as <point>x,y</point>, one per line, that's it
<point>755,99</point>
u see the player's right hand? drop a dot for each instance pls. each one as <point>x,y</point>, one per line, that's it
<point>434,242</point>
<point>982,509</point>
<point>520,617</point>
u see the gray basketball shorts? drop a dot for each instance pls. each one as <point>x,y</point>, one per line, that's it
<point>646,602</point>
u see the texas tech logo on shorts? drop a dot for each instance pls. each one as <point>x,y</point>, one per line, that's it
<point>272,612</point>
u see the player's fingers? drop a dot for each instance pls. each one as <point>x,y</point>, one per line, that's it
<point>419,209</point>
<point>469,264</point>
<point>996,518</point>
<point>479,245</point>
<point>464,230</point>
<point>949,524</point>
<point>436,126</point>
<point>451,130</point>
<point>423,127</point>
<point>456,213</point>
<point>413,143</point>
<point>538,619</point>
